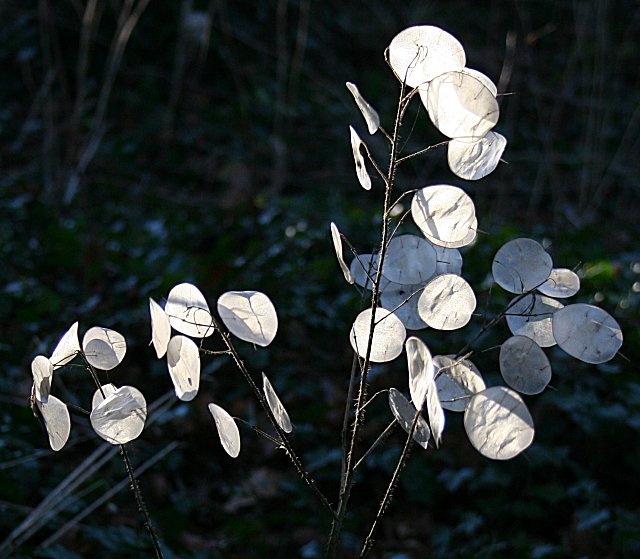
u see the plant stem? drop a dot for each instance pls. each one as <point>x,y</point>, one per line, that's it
<point>492,323</point>
<point>348,479</point>
<point>284,440</point>
<point>375,444</point>
<point>368,542</point>
<point>345,421</point>
<point>135,487</point>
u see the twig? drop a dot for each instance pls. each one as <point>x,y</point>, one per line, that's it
<point>135,487</point>
<point>420,152</point>
<point>284,440</point>
<point>368,542</point>
<point>381,438</point>
<point>346,486</point>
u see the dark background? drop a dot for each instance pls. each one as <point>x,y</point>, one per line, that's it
<point>220,156</point>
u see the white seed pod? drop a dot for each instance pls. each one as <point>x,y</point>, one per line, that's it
<point>275,405</point>
<point>337,246</point>
<point>57,421</point>
<point>160,328</point>
<point>106,389</point>
<point>531,316</point>
<point>227,430</point>
<point>435,413</point>
<point>368,112</point>
<point>363,269</point>
<point>361,171</point>
<point>409,259</point>
<point>42,372</point>
<point>388,335</point>
<point>457,380</point>
<point>249,315</point>
<point>474,161</point>
<point>448,261</point>
<point>405,413</point>
<point>460,106</point>
<point>467,240</point>
<point>183,362</point>
<point>402,299</point>
<point>562,283</point>
<point>67,348</point>
<point>483,78</point>
<point>188,311</point>
<point>420,53</point>
<point>447,302</point>
<point>421,370</point>
<point>521,265</point>
<point>103,348</point>
<point>524,366</point>
<point>498,423</point>
<point>444,213</point>
<point>120,417</point>
<point>587,332</point>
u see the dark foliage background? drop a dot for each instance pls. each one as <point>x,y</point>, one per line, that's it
<point>221,157</point>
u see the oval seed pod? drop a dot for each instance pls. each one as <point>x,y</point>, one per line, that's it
<point>388,335</point>
<point>188,311</point>
<point>227,430</point>
<point>249,315</point>
<point>587,332</point>
<point>103,348</point>
<point>524,366</point>
<point>420,53</point>
<point>498,423</point>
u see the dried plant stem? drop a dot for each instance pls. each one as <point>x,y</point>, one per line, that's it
<point>135,487</point>
<point>493,322</point>
<point>345,421</point>
<point>127,22</point>
<point>284,440</point>
<point>348,478</point>
<point>420,152</point>
<point>382,437</point>
<point>368,542</point>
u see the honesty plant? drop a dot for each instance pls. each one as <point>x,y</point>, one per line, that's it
<point>416,284</point>
<point>416,278</point>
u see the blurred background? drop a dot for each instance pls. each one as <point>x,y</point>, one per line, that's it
<point>147,143</point>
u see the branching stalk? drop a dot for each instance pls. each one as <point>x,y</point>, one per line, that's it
<point>368,542</point>
<point>135,486</point>
<point>284,440</point>
<point>347,482</point>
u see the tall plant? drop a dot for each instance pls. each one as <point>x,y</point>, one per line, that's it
<point>416,287</point>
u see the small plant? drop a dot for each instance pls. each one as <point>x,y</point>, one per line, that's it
<point>414,284</point>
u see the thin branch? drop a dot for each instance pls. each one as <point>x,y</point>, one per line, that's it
<point>402,196</point>
<point>381,438</point>
<point>346,486</point>
<point>420,152</point>
<point>135,487</point>
<point>373,162</point>
<point>368,542</point>
<point>370,400</point>
<point>284,440</point>
<point>345,420</point>
<point>495,320</point>
<point>127,21</point>
<point>259,431</point>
